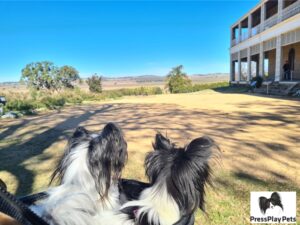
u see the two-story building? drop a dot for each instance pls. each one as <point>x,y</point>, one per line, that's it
<point>264,40</point>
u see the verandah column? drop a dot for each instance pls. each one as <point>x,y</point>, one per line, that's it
<point>249,64</point>
<point>231,69</point>
<point>239,66</point>
<point>280,8</point>
<point>262,17</point>
<point>249,25</point>
<point>240,33</point>
<point>278,59</point>
<point>261,59</point>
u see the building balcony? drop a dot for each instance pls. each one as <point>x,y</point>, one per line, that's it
<point>272,21</point>
<point>291,10</point>
<point>255,30</point>
<point>244,36</point>
<point>234,42</point>
<point>266,15</point>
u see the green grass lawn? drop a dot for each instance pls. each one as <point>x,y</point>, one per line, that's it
<point>258,138</point>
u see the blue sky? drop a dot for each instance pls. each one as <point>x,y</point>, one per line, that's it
<point>118,38</point>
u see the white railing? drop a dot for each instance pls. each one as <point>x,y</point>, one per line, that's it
<point>270,22</point>
<point>244,36</point>
<point>234,42</point>
<point>255,30</point>
<point>291,10</point>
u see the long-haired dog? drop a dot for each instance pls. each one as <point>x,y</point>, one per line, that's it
<point>178,176</point>
<point>88,175</point>
<point>269,203</point>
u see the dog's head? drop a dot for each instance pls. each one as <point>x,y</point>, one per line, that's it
<point>185,171</point>
<point>266,203</point>
<point>93,161</point>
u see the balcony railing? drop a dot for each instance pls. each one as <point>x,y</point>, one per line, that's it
<point>255,30</point>
<point>270,22</point>
<point>291,10</point>
<point>234,42</point>
<point>244,36</point>
<point>288,12</point>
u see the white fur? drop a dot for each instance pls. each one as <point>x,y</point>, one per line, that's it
<point>155,201</point>
<point>76,201</point>
<point>158,204</point>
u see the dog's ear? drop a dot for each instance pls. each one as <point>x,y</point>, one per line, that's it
<point>264,203</point>
<point>107,156</point>
<point>195,171</point>
<point>276,200</point>
<point>202,147</point>
<point>80,132</point>
<point>162,143</point>
<point>79,135</point>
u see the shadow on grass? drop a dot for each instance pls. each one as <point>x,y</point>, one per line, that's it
<point>246,90</point>
<point>231,89</point>
<point>240,184</point>
<point>13,156</point>
<point>144,120</point>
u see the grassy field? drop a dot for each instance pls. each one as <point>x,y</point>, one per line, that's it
<point>258,136</point>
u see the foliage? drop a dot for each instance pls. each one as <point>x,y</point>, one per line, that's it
<point>66,76</point>
<point>34,99</point>
<point>178,81</point>
<point>46,76</point>
<point>19,105</point>
<point>95,83</point>
<point>53,102</point>
<point>205,86</point>
<point>259,80</point>
<point>40,75</point>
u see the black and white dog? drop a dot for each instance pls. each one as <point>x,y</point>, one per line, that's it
<point>177,176</point>
<point>88,173</point>
<point>271,204</point>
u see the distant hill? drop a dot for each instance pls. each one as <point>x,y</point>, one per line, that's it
<point>135,81</point>
<point>9,83</point>
<point>156,78</point>
<point>141,78</point>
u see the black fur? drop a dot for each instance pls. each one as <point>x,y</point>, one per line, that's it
<point>264,203</point>
<point>3,185</point>
<point>107,155</point>
<point>185,170</point>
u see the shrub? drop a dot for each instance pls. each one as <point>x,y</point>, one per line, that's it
<point>53,102</point>
<point>46,76</point>
<point>29,101</point>
<point>72,97</point>
<point>19,105</point>
<point>134,91</point>
<point>200,87</point>
<point>259,80</point>
<point>95,83</point>
<point>157,90</point>
<point>178,81</point>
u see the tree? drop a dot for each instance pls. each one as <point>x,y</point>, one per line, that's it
<point>45,75</point>
<point>40,75</point>
<point>66,76</point>
<point>95,83</point>
<point>178,81</point>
